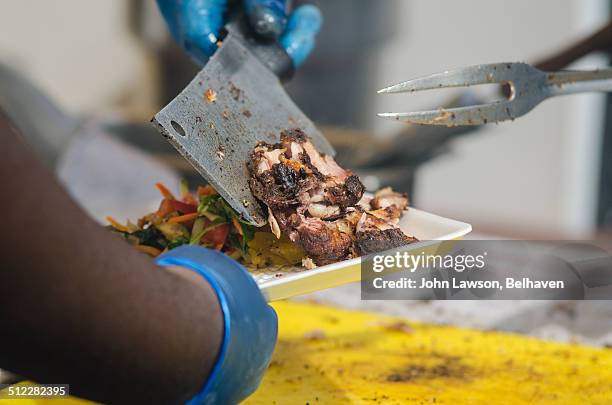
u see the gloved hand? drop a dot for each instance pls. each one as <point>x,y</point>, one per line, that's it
<point>195,24</point>
<point>250,324</point>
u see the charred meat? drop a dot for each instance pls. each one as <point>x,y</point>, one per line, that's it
<point>319,205</point>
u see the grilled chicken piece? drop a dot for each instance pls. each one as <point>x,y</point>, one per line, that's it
<point>377,231</point>
<point>374,241</point>
<point>323,241</point>
<point>315,201</point>
<point>386,197</point>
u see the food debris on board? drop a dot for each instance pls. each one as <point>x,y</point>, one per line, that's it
<point>315,334</point>
<point>317,213</point>
<point>398,326</point>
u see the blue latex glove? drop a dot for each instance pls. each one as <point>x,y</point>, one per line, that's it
<point>250,324</point>
<point>196,24</point>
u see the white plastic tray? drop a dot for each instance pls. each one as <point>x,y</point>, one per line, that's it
<point>421,224</point>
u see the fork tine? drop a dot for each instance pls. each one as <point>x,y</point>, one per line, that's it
<point>473,115</point>
<point>463,77</point>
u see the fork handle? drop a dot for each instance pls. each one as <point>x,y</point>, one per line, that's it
<point>600,40</point>
<point>577,81</point>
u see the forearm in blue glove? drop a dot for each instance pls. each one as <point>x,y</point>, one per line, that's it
<point>196,24</point>
<point>250,324</point>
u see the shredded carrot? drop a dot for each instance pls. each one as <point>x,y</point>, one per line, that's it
<point>149,250</point>
<point>183,218</point>
<point>165,208</point>
<point>188,199</point>
<point>237,226</point>
<point>116,225</point>
<point>206,190</point>
<point>164,191</point>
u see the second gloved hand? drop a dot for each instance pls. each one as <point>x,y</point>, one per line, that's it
<point>196,24</point>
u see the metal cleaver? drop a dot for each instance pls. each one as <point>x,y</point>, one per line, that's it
<point>236,101</point>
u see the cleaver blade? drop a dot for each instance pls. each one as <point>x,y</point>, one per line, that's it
<point>232,104</point>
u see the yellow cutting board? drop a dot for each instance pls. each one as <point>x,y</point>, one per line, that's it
<point>331,356</point>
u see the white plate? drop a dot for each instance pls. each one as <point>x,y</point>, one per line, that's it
<point>423,225</point>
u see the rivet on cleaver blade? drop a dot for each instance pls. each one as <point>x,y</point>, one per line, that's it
<point>232,104</point>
